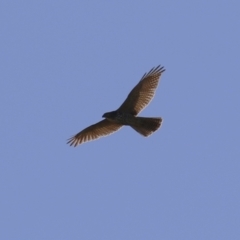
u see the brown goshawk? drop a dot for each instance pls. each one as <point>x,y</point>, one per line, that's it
<point>126,114</point>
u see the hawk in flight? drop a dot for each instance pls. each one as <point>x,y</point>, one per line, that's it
<point>126,114</point>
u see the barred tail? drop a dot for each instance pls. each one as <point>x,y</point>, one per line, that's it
<point>146,126</point>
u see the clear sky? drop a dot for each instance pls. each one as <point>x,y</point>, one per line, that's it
<point>63,64</point>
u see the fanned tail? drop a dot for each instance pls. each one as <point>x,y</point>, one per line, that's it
<point>146,126</point>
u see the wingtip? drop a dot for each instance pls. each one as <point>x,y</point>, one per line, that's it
<point>72,142</point>
<point>160,69</point>
<point>155,70</point>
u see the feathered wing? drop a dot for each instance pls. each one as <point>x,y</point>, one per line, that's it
<point>143,92</point>
<point>95,131</point>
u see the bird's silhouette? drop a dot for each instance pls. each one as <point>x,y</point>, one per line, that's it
<point>126,114</point>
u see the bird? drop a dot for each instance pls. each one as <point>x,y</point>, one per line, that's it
<point>126,114</point>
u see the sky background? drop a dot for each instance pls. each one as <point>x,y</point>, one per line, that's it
<point>63,64</point>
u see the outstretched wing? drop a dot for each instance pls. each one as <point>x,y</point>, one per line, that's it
<point>95,131</point>
<point>143,92</point>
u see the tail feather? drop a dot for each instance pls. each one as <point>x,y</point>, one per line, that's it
<point>146,126</point>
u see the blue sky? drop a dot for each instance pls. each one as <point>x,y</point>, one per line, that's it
<point>63,64</point>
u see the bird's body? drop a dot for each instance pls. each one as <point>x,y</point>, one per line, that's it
<point>120,117</point>
<point>143,125</point>
<point>127,113</point>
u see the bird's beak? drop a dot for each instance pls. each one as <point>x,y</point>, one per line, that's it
<point>104,115</point>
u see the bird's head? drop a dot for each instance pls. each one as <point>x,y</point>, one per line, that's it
<point>109,115</point>
<point>105,115</point>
